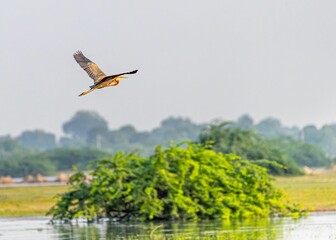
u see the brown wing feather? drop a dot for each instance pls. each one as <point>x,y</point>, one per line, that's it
<point>90,67</point>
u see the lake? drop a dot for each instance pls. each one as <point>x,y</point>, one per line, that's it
<point>315,226</point>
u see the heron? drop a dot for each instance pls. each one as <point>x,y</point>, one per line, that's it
<point>99,77</point>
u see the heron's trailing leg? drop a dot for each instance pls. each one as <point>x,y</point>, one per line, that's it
<point>86,92</point>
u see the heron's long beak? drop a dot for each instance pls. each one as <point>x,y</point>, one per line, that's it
<point>122,77</point>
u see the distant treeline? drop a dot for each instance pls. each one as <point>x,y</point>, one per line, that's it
<point>87,137</point>
<point>89,129</point>
<point>324,137</point>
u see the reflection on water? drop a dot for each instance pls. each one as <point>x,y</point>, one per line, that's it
<point>316,226</point>
<point>208,230</point>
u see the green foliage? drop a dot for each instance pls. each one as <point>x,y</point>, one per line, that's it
<point>18,165</point>
<point>271,128</point>
<point>127,138</point>
<point>264,142</point>
<point>324,137</point>
<point>17,161</point>
<point>249,145</point>
<point>37,139</point>
<point>177,183</point>
<point>9,146</point>
<point>66,158</point>
<point>302,153</point>
<point>245,122</point>
<point>88,129</point>
<point>175,129</point>
<point>83,122</point>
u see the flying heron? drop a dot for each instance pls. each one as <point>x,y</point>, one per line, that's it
<point>99,77</point>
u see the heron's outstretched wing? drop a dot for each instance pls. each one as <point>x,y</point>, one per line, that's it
<point>90,67</point>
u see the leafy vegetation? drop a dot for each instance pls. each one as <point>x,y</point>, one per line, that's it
<point>249,145</point>
<point>17,161</point>
<point>87,137</point>
<point>177,183</point>
<point>303,154</point>
<point>89,129</point>
<point>79,126</point>
<point>65,158</point>
<point>323,138</point>
<point>18,165</point>
<point>9,146</point>
<point>37,139</point>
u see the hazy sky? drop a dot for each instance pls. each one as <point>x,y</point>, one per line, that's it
<point>196,59</point>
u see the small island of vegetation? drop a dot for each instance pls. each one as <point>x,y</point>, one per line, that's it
<point>180,183</point>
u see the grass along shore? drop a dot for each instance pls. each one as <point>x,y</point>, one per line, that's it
<point>315,192</point>
<point>28,201</point>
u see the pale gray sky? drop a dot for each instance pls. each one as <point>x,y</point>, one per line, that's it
<point>196,59</point>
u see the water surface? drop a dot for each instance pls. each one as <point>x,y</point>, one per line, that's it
<point>316,226</point>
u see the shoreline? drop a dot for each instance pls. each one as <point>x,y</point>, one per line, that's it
<point>315,193</point>
<point>44,217</point>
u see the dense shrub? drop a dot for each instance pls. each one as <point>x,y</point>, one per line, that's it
<point>176,183</point>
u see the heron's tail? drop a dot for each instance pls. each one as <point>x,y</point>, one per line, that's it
<point>86,92</point>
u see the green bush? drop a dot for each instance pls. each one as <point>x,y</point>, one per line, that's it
<point>176,183</point>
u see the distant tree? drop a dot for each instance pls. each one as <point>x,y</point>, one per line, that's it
<point>304,154</point>
<point>175,129</point>
<point>272,128</point>
<point>37,139</point>
<point>65,158</point>
<point>310,155</point>
<point>9,146</point>
<point>124,135</point>
<point>329,139</point>
<point>18,165</point>
<point>249,145</point>
<point>245,122</point>
<point>69,142</point>
<point>324,137</point>
<point>89,129</point>
<point>269,127</point>
<point>311,135</point>
<point>82,123</point>
<point>18,161</point>
<point>98,138</point>
<point>127,139</point>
